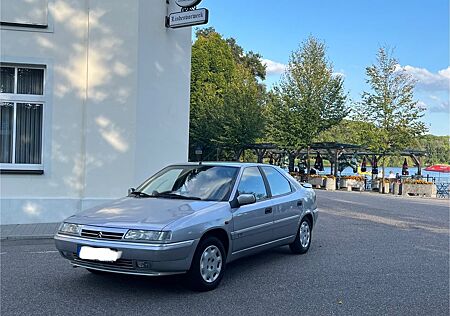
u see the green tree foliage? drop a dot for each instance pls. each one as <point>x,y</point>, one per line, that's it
<point>226,97</point>
<point>347,131</point>
<point>436,147</point>
<point>390,106</point>
<point>309,99</point>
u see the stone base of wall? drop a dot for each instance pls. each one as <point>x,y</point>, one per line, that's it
<point>316,182</point>
<point>351,184</point>
<point>424,190</point>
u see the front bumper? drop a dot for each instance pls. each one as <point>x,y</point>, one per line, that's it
<point>137,257</point>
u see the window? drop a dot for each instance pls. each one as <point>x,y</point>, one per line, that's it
<point>278,184</point>
<point>24,13</point>
<point>252,183</point>
<point>21,116</point>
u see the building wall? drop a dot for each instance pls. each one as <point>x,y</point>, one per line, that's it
<point>117,103</point>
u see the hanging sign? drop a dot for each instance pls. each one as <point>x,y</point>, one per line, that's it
<point>187,18</point>
<point>187,3</point>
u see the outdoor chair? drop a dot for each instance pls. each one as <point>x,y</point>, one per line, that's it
<point>442,190</point>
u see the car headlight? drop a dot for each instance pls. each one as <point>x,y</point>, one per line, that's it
<point>153,235</point>
<point>69,228</point>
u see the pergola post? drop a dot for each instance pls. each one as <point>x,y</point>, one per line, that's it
<point>336,166</point>
<point>308,167</point>
<point>417,163</point>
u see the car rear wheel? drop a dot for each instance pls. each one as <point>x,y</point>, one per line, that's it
<point>208,265</point>
<point>303,239</point>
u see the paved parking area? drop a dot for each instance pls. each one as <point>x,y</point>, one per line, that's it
<point>371,254</point>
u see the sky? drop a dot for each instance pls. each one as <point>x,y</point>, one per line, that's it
<point>352,30</point>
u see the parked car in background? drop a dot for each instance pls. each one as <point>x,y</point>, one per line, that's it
<point>193,219</point>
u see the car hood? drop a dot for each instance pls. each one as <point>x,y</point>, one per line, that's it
<point>139,213</point>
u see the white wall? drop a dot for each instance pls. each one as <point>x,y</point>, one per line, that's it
<point>117,104</point>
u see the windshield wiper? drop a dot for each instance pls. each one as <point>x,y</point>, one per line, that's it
<point>140,194</point>
<point>175,196</point>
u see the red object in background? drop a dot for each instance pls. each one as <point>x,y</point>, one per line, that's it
<point>439,168</point>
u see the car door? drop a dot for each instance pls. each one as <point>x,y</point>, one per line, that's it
<point>253,222</point>
<point>286,208</point>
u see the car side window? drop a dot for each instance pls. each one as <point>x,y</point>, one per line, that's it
<point>252,183</point>
<point>278,184</point>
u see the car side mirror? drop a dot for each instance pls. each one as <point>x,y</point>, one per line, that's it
<point>245,199</point>
<point>131,190</point>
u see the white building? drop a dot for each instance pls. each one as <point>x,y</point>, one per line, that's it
<point>94,99</point>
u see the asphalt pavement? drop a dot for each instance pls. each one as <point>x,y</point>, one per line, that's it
<point>370,254</point>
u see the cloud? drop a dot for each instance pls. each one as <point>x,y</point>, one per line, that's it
<point>439,105</point>
<point>273,67</point>
<point>339,73</point>
<point>432,87</point>
<point>427,80</point>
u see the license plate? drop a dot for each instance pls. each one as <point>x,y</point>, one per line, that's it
<point>99,254</point>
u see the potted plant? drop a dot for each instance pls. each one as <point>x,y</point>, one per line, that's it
<point>414,187</point>
<point>352,182</point>
<point>330,182</point>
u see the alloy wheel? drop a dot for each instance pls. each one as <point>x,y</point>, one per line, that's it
<point>305,234</point>
<point>210,264</point>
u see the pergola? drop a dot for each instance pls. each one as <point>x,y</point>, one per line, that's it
<point>332,151</point>
<point>414,154</point>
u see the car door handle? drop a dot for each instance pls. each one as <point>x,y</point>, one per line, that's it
<point>268,210</point>
<point>299,203</point>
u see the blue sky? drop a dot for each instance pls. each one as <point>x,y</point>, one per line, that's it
<point>353,31</point>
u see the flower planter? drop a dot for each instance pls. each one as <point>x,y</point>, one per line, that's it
<point>316,182</point>
<point>384,187</point>
<point>330,184</point>
<point>414,189</point>
<point>351,184</point>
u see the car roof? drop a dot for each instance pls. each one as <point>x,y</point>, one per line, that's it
<point>224,164</point>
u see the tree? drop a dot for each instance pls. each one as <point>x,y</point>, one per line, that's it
<point>347,131</point>
<point>390,106</point>
<point>309,99</point>
<point>226,97</point>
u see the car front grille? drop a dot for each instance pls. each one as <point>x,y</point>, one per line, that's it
<point>120,264</point>
<point>101,234</point>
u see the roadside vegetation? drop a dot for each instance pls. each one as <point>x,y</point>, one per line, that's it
<point>232,108</point>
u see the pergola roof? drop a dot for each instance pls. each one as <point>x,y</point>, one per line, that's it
<point>328,147</point>
<point>333,145</point>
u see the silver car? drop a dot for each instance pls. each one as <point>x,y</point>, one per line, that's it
<point>192,219</point>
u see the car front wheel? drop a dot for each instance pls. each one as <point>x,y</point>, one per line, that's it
<point>208,265</point>
<point>303,239</point>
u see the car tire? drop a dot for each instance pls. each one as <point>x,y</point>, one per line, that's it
<point>208,265</point>
<point>303,238</point>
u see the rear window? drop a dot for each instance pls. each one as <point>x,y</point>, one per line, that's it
<point>278,184</point>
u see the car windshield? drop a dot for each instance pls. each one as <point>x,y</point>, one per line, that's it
<point>200,182</point>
